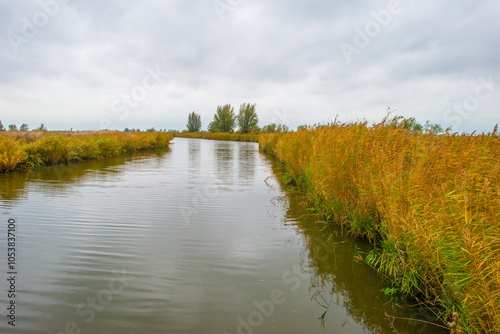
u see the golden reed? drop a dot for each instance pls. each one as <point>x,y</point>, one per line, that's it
<point>30,149</point>
<point>429,203</point>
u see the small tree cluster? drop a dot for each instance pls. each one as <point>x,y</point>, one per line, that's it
<point>41,128</point>
<point>23,127</point>
<point>412,125</point>
<point>225,119</point>
<point>273,128</point>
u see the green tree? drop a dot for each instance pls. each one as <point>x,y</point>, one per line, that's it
<point>272,128</point>
<point>12,127</point>
<point>224,119</point>
<point>41,128</point>
<point>247,118</point>
<point>433,128</point>
<point>194,122</point>
<point>2,128</point>
<point>24,127</point>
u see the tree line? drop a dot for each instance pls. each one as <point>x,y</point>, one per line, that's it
<point>225,120</point>
<point>23,127</point>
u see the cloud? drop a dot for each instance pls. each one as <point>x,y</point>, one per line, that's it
<point>281,55</point>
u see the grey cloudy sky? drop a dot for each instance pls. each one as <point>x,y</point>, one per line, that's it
<point>122,63</point>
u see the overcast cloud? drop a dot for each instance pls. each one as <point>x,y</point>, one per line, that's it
<point>121,63</point>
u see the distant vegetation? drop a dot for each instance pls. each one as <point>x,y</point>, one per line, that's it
<point>225,121</point>
<point>23,127</point>
<point>220,136</point>
<point>33,149</point>
<point>275,128</point>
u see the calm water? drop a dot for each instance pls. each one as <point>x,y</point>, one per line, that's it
<point>197,239</point>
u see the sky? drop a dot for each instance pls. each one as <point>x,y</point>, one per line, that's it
<point>112,64</point>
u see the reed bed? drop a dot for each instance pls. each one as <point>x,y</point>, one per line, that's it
<point>32,149</point>
<point>220,136</point>
<point>429,203</point>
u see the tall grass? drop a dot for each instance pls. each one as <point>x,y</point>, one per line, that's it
<point>30,149</point>
<point>220,136</point>
<point>429,203</point>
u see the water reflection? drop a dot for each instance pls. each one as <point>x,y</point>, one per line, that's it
<point>224,161</point>
<point>247,158</point>
<point>339,279</point>
<point>194,155</point>
<point>58,178</point>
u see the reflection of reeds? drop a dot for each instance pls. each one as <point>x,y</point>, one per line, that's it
<point>30,149</point>
<point>220,136</point>
<point>430,203</point>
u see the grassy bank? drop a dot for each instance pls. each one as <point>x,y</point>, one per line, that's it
<point>429,203</point>
<point>19,149</point>
<point>220,136</point>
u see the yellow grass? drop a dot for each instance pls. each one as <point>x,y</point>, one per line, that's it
<point>30,149</point>
<point>429,203</point>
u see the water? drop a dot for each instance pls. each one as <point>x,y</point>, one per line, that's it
<point>197,239</point>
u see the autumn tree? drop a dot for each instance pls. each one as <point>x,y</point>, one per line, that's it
<point>224,119</point>
<point>194,122</point>
<point>247,118</point>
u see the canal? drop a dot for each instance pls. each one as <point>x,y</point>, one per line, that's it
<point>201,238</point>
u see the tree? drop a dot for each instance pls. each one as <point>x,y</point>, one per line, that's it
<point>2,128</point>
<point>41,128</point>
<point>194,122</point>
<point>272,128</point>
<point>224,119</point>
<point>433,128</point>
<point>247,118</point>
<point>24,127</point>
<point>12,127</point>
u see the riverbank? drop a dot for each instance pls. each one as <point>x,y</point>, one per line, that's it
<point>219,136</point>
<point>430,204</point>
<point>26,150</point>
